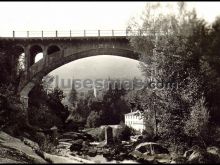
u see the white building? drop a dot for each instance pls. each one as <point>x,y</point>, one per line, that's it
<point>135,120</point>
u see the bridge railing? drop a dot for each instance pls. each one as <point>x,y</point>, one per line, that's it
<point>77,33</point>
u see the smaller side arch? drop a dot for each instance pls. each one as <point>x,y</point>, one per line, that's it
<point>34,51</point>
<point>19,48</point>
<point>19,58</point>
<point>52,49</point>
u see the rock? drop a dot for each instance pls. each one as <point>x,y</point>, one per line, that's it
<point>143,161</point>
<point>107,154</point>
<point>19,149</point>
<point>188,153</point>
<point>195,157</point>
<point>179,160</point>
<point>214,150</point>
<point>73,154</point>
<point>121,156</point>
<point>30,143</point>
<point>70,135</point>
<point>202,156</point>
<point>65,140</point>
<point>77,145</point>
<point>92,152</point>
<point>99,150</point>
<point>86,143</point>
<point>76,136</point>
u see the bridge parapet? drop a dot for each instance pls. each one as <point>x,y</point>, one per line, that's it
<point>79,33</point>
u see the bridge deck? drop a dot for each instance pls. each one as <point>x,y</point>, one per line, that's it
<point>63,38</point>
<point>48,35</point>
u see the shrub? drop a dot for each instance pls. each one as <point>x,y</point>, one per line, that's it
<point>197,124</point>
<point>123,133</point>
<point>93,120</point>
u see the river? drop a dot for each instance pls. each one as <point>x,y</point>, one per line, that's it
<point>64,151</point>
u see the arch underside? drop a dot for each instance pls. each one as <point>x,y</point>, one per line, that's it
<point>33,53</point>
<point>64,59</point>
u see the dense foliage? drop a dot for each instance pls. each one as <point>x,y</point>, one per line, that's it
<point>123,133</point>
<point>46,110</point>
<point>180,49</point>
<point>94,112</point>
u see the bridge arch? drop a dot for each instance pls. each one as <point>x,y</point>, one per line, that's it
<point>60,59</point>
<point>19,58</point>
<point>19,48</point>
<point>52,49</point>
<point>34,51</point>
<point>62,50</point>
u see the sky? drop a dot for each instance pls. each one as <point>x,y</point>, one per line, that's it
<point>63,16</point>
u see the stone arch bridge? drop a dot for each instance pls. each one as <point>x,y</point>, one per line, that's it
<point>58,51</point>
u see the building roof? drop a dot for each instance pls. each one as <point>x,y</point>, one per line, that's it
<point>135,113</point>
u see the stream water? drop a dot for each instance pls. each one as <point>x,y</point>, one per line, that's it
<point>63,150</point>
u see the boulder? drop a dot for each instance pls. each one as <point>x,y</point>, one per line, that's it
<point>31,144</point>
<point>19,150</point>
<point>121,156</point>
<point>188,153</point>
<point>107,154</point>
<point>214,150</point>
<point>76,145</point>
<point>178,160</point>
<point>86,143</point>
<point>99,150</point>
<point>92,152</point>
<point>202,156</point>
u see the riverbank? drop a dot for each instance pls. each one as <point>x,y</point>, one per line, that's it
<point>14,150</point>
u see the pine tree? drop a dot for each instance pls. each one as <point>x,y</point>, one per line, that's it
<point>73,95</point>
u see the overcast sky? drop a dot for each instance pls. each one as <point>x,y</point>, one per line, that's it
<point>50,16</point>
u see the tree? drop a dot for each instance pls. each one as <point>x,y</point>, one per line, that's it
<point>123,133</point>
<point>93,119</point>
<point>51,110</point>
<point>57,94</point>
<point>73,95</point>
<point>211,71</point>
<point>171,46</point>
<point>114,104</point>
<point>197,124</point>
<point>47,82</point>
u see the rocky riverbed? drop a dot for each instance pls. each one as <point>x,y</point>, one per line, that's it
<point>75,147</point>
<point>82,145</point>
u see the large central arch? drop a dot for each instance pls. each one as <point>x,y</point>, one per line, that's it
<point>57,58</point>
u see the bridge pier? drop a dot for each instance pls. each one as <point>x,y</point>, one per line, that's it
<point>45,56</point>
<point>27,61</point>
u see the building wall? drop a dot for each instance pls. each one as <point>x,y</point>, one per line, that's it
<point>135,121</point>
